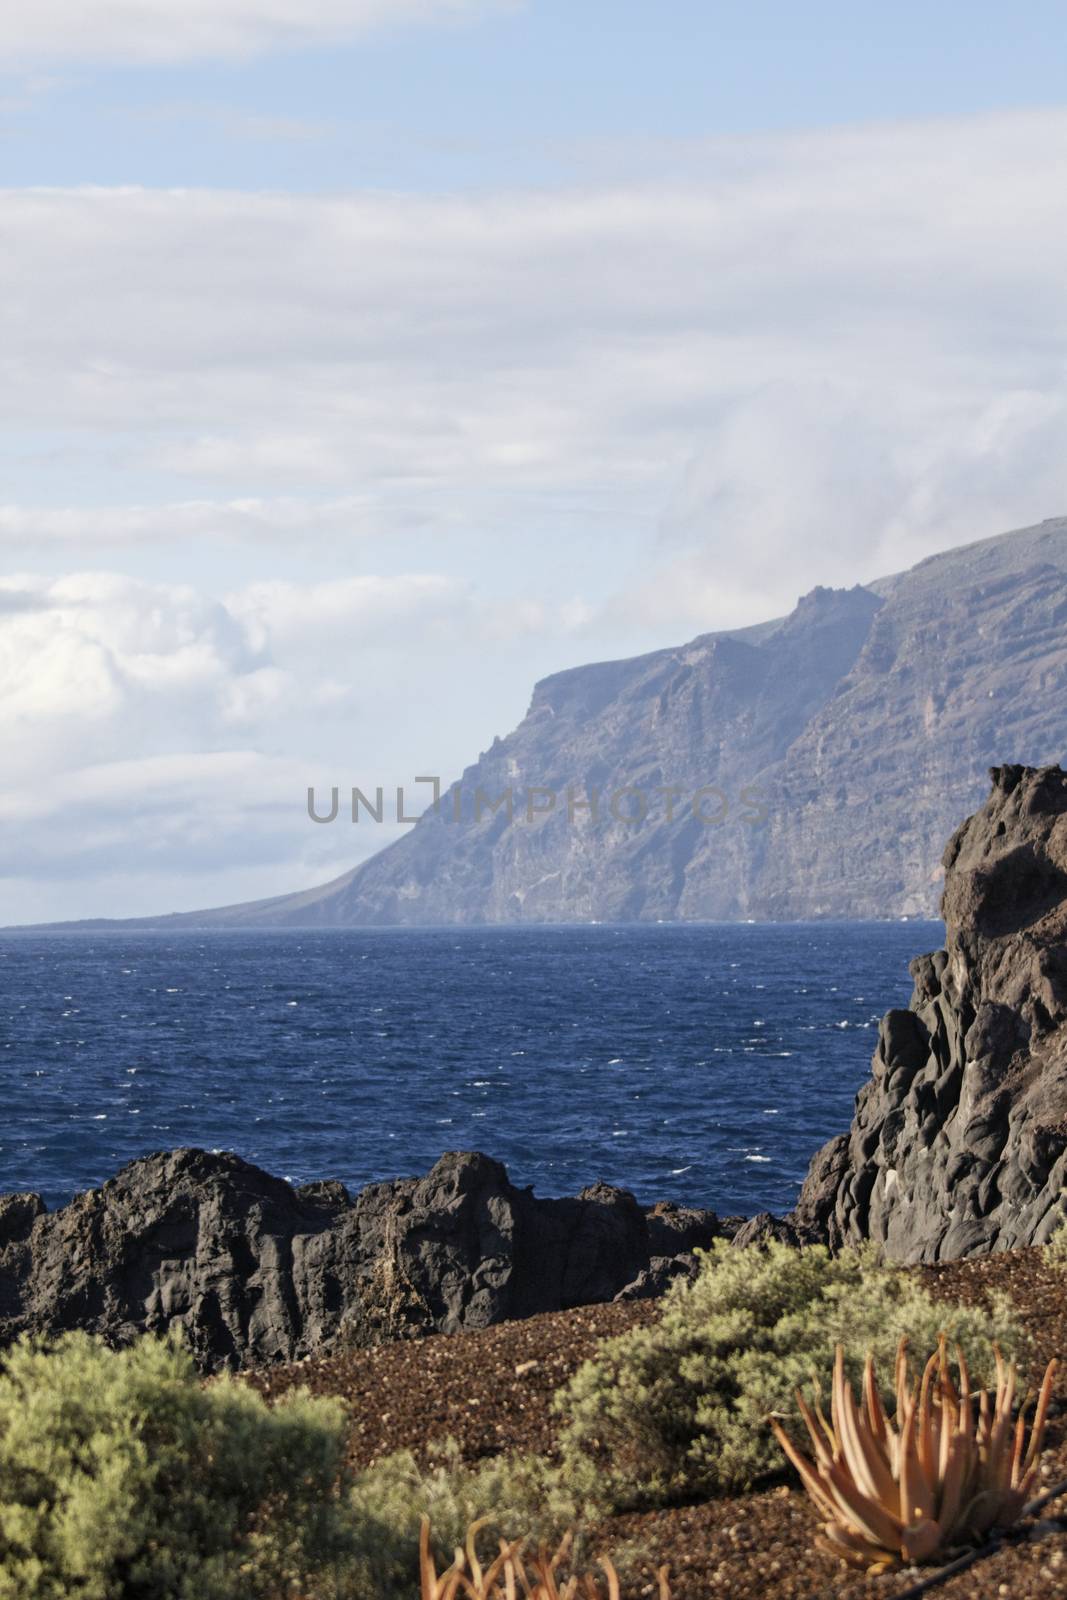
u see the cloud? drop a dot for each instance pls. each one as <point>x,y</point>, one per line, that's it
<point>155,742</point>
<point>162,740</point>
<point>276,610</point>
<point>99,662</point>
<point>612,349</point>
<point>526,428</point>
<point>94,664</point>
<point>833,482</point>
<point>160,30</point>
<point>166,832</point>
<point>351,517</point>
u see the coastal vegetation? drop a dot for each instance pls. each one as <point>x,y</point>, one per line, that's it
<point>124,1475</point>
<point>509,1575</point>
<point>914,1485</point>
<point>679,1409</point>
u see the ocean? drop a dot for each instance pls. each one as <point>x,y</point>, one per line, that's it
<point>702,1063</point>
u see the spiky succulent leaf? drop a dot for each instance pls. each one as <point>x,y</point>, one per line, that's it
<point>933,1477</point>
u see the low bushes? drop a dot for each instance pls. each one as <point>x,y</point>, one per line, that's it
<point>1056,1249</point>
<point>520,1496</point>
<point>679,1408</point>
<point>122,1476</point>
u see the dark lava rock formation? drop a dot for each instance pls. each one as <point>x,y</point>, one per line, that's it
<point>959,1141</point>
<point>254,1271</point>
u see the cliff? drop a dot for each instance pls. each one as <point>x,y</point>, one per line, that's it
<point>959,1141</point>
<point>832,751</point>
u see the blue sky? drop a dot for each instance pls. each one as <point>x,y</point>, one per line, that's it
<point>366,360</point>
<point>542,93</point>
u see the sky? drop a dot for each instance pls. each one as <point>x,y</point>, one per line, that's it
<point>364,361</point>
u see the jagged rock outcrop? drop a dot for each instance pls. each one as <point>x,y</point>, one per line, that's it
<point>959,1141</point>
<point>254,1271</point>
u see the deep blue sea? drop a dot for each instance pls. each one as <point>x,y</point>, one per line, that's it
<point>699,1063</point>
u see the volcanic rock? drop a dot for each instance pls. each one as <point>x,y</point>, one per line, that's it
<point>958,1145</point>
<point>253,1271</point>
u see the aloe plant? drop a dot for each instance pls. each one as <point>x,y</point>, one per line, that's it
<point>508,1578</point>
<point>933,1477</point>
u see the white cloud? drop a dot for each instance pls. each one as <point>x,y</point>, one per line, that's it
<point>154,735</point>
<point>282,611</point>
<point>284,518</point>
<point>831,483</point>
<point>818,358</point>
<point>94,665</point>
<point>163,30</point>
<point>166,832</point>
<point>404,354</point>
<point>99,662</point>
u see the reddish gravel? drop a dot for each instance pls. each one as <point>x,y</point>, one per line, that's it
<point>491,1392</point>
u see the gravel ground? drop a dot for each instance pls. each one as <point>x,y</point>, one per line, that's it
<point>491,1391</point>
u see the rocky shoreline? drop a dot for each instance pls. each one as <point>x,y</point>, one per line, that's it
<point>959,1141</point>
<point>254,1271</point>
<point>958,1147</point>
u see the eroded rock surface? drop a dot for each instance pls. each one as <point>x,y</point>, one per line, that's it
<point>959,1141</point>
<point>255,1271</point>
<point>836,748</point>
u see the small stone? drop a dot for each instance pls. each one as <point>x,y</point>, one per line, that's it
<point>1042,1530</point>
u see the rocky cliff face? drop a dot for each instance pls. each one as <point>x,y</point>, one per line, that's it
<point>959,1141</point>
<point>842,744</point>
<point>254,1271</point>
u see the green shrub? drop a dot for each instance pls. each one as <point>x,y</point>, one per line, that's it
<point>123,1477</point>
<point>1056,1249</point>
<point>521,1495</point>
<point>678,1408</point>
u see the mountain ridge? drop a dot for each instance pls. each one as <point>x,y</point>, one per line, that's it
<point>840,742</point>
